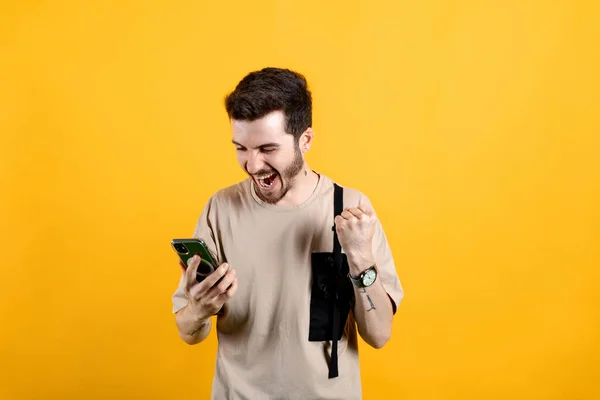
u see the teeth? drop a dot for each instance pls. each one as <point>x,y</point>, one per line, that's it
<point>263,177</point>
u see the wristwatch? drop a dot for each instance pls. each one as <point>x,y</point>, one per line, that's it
<point>366,278</point>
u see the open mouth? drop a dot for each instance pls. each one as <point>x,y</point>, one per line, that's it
<point>266,181</point>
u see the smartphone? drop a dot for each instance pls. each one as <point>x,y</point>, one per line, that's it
<point>188,248</point>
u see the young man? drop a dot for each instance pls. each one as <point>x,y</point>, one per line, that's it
<point>296,284</point>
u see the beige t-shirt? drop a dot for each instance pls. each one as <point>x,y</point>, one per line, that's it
<point>263,347</point>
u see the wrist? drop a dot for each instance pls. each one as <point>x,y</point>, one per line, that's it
<point>199,324</point>
<point>197,316</point>
<point>202,320</point>
<point>358,263</point>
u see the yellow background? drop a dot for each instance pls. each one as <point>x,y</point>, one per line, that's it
<point>473,127</point>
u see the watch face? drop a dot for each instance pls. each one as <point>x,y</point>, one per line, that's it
<point>369,277</point>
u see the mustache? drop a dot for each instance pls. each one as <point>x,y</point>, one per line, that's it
<point>263,172</point>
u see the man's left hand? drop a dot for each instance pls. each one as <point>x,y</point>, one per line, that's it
<point>355,228</point>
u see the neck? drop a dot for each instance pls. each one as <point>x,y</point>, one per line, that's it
<point>303,186</point>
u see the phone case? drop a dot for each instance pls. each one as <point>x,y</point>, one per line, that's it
<point>187,248</point>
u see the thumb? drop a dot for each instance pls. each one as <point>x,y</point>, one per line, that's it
<point>338,220</point>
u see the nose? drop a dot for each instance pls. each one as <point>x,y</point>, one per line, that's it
<point>254,163</point>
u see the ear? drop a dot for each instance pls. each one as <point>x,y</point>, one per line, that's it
<point>306,140</point>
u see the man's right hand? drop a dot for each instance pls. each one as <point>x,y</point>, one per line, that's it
<point>206,298</point>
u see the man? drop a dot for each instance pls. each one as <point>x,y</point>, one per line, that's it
<point>288,302</point>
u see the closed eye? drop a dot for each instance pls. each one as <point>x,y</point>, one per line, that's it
<point>265,148</point>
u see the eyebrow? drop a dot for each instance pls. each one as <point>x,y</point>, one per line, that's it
<point>262,146</point>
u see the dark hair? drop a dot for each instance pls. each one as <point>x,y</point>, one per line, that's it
<point>272,89</point>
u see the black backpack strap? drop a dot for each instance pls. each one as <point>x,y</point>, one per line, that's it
<point>338,207</point>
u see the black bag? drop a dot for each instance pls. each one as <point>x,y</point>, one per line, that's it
<point>332,293</point>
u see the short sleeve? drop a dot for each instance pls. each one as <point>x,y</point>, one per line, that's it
<point>386,266</point>
<point>204,230</point>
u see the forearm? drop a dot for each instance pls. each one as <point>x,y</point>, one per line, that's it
<point>373,312</point>
<point>192,329</point>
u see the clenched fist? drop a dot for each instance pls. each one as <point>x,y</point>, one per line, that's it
<point>355,228</point>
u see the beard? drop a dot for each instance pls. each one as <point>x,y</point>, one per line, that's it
<point>285,177</point>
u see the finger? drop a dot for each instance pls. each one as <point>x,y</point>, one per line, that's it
<point>190,273</point>
<point>222,286</point>
<point>338,220</point>
<point>347,215</point>
<point>201,290</point>
<point>216,275</point>
<point>232,289</point>
<point>229,293</point>
<point>367,209</point>
<point>357,212</point>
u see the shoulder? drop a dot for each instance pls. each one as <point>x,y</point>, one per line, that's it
<point>229,196</point>
<point>353,196</point>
